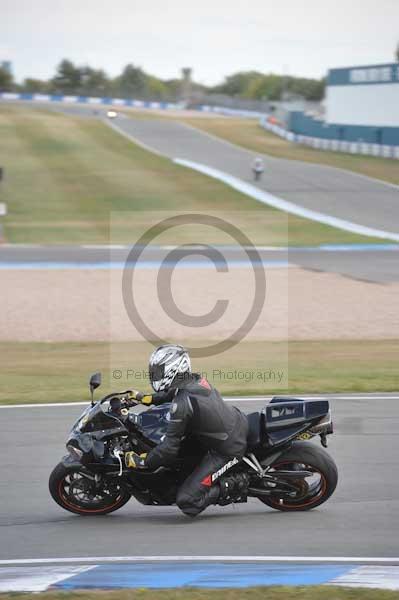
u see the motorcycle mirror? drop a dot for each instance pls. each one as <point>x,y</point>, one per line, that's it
<point>95,382</point>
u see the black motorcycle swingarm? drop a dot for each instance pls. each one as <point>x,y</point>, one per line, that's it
<point>275,485</point>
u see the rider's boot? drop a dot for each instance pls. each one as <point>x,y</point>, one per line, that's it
<point>233,488</point>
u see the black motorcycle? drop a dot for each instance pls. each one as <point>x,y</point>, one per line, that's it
<point>281,468</point>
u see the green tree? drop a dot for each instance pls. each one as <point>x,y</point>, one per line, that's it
<point>6,80</point>
<point>265,87</point>
<point>156,88</point>
<point>132,82</point>
<point>259,86</point>
<point>35,85</point>
<point>237,84</point>
<point>173,88</point>
<point>67,78</point>
<point>311,89</point>
<point>93,82</point>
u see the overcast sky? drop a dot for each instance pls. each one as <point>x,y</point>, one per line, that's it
<point>214,37</point>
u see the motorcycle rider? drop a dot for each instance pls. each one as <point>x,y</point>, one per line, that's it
<point>197,410</point>
<point>258,168</point>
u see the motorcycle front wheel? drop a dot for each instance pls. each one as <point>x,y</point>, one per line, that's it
<point>79,493</point>
<point>313,490</point>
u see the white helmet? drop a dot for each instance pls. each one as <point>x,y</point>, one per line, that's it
<point>168,365</point>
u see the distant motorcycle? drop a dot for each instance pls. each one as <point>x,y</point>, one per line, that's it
<point>258,168</point>
<point>281,468</point>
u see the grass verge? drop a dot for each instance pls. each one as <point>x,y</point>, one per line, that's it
<point>58,372</point>
<point>64,175</point>
<point>261,593</point>
<point>249,134</point>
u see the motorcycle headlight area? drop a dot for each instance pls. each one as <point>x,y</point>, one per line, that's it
<point>75,452</point>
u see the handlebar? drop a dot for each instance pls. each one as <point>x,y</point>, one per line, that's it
<point>121,401</point>
<point>122,397</point>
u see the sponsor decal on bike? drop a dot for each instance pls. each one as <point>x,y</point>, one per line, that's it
<point>304,436</point>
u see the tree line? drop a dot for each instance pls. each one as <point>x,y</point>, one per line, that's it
<point>134,82</point>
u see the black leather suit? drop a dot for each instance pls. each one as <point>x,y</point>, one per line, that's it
<point>198,410</point>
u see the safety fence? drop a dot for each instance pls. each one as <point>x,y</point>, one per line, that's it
<point>232,112</point>
<point>90,100</point>
<point>380,150</point>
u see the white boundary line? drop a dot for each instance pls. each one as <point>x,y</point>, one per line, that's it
<point>369,576</point>
<point>285,205</point>
<point>132,139</point>
<point>24,579</point>
<point>229,558</point>
<point>227,399</point>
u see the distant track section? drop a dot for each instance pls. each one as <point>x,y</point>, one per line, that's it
<point>286,206</point>
<point>105,101</point>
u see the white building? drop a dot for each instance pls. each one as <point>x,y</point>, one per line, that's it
<point>365,96</point>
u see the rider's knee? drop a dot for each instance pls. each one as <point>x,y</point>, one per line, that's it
<point>188,503</point>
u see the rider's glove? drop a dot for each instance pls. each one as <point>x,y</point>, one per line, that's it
<point>135,461</point>
<point>140,397</point>
<point>146,399</point>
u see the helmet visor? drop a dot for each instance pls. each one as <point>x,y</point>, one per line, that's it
<point>156,372</point>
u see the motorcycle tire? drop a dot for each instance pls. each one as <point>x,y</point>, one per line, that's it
<point>63,493</point>
<point>313,458</point>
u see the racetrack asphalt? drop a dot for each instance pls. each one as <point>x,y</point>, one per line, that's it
<point>379,265</point>
<point>359,520</point>
<point>331,191</point>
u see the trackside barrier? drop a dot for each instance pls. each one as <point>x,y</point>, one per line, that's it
<point>91,100</point>
<point>380,150</point>
<point>232,112</point>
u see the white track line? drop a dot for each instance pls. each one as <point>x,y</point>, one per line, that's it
<point>131,138</point>
<point>227,399</point>
<point>371,576</point>
<point>229,558</point>
<point>285,205</point>
<point>37,580</point>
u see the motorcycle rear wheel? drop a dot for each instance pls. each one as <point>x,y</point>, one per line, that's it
<point>312,458</point>
<point>75,492</point>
